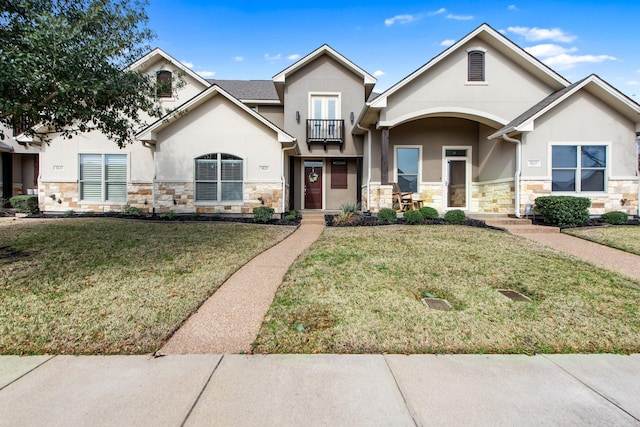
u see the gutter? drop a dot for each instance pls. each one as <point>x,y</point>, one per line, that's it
<point>368,164</point>
<point>516,177</point>
<point>282,178</point>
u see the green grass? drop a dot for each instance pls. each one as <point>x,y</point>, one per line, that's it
<point>101,286</point>
<point>358,290</point>
<point>626,238</point>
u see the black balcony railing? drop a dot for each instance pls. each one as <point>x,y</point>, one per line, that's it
<point>325,131</point>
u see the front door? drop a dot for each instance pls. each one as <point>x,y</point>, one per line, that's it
<point>313,185</point>
<point>456,174</point>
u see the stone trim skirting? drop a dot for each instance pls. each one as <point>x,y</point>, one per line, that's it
<point>161,196</point>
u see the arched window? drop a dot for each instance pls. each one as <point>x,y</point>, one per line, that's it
<point>476,66</point>
<point>218,178</point>
<point>163,84</point>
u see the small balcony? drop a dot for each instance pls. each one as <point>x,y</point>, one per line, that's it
<point>325,131</point>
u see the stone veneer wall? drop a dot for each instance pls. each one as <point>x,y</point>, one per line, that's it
<point>493,197</point>
<point>180,197</point>
<point>176,196</point>
<point>617,190</point>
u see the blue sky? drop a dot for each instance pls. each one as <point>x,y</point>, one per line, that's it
<point>256,40</point>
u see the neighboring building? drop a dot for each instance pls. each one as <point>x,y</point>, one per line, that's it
<point>483,127</point>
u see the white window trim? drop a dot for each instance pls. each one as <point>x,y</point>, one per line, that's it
<point>325,94</point>
<point>395,163</point>
<point>607,169</point>
<point>216,202</point>
<point>103,180</point>
<point>468,170</point>
<point>475,82</point>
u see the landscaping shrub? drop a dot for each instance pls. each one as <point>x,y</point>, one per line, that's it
<point>387,215</point>
<point>290,217</point>
<point>263,214</point>
<point>350,207</point>
<point>168,215</point>
<point>455,216</point>
<point>413,217</point>
<point>429,213</point>
<point>25,204</point>
<point>563,210</point>
<point>131,210</point>
<point>617,217</point>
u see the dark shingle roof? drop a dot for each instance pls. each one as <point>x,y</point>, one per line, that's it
<point>248,89</point>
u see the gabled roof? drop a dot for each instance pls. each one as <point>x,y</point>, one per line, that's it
<point>279,79</point>
<point>249,90</point>
<point>149,133</point>
<point>5,147</point>
<point>156,53</point>
<point>498,41</point>
<point>594,85</point>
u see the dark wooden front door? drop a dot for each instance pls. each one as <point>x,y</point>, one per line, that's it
<point>313,190</point>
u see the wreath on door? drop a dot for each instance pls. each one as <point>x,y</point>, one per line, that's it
<point>313,177</point>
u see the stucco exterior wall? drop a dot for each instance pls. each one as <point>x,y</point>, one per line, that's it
<point>273,113</point>
<point>445,88</point>
<point>581,119</point>
<point>324,75</point>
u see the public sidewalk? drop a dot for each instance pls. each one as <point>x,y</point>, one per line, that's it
<point>320,390</point>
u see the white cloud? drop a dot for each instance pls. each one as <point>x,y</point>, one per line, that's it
<point>438,12</point>
<point>536,34</point>
<point>293,57</point>
<point>400,19</point>
<point>187,64</point>
<point>447,42</point>
<point>565,61</point>
<point>206,74</point>
<point>272,58</point>
<point>378,73</point>
<point>460,17</point>
<point>238,58</point>
<point>512,7</point>
<point>548,50</point>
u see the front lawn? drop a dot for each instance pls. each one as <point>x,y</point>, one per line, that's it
<point>626,238</point>
<point>359,290</point>
<point>113,286</point>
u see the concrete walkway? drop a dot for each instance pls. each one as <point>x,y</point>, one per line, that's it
<point>320,390</point>
<point>229,321</point>
<point>616,260</point>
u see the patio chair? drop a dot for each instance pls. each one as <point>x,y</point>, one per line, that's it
<point>401,201</point>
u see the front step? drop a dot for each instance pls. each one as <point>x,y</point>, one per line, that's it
<point>519,225</point>
<point>506,221</point>
<point>313,218</point>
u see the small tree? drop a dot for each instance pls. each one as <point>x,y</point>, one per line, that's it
<point>64,66</point>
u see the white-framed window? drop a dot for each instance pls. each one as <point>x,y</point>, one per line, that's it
<point>407,168</point>
<point>219,178</point>
<point>324,106</point>
<point>578,168</point>
<point>103,177</point>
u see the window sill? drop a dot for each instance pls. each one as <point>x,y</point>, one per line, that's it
<point>225,203</point>
<point>468,83</point>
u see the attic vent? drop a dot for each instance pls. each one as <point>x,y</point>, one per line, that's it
<point>476,66</point>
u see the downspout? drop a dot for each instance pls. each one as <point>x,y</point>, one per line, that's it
<point>368,165</point>
<point>516,177</point>
<point>282,177</point>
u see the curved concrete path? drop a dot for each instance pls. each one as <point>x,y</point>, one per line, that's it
<point>229,321</point>
<point>612,259</point>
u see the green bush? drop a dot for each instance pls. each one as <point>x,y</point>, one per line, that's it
<point>455,216</point>
<point>387,215</point>
<point>131,210</point>
<point>350,207</point>
<point>262,214</point>
<point>617,217</point>
<point>69,213</point>
<point>563,210</point>
<point>413,217</point>
<point>429,213</point>
<point>290,217</point>
<point>25,204</point>
<point>168,215</point>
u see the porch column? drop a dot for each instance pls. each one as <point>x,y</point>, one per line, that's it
<point>384,161</point>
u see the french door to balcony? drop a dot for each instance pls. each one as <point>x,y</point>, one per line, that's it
<point>325,110</point>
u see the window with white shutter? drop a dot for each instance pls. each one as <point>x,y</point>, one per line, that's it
<point>103,177</point>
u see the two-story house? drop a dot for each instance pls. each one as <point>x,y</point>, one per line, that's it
<point>484,127</point>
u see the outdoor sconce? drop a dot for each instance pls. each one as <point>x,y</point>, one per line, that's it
<point>53,196</point>
<point>175,202</point>
<point>261,199</point>
<point>144,201</point>
<point>351,117</point>
<point>623,202</point>
<point>59,201</point>
<point>298,116</point>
